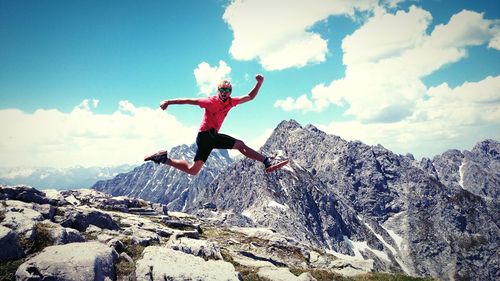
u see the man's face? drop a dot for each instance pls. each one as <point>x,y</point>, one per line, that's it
<point>224,93</point>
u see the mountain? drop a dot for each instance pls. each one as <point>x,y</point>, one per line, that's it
<point>164,184</point>
<point>431,217</point>
<point>60,178</point>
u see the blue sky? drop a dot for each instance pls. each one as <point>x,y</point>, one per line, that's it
<point>80,81</point>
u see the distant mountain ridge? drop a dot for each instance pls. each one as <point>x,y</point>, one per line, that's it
<point>431,217</point>
<point>60,178</point>
<point>164,184</point>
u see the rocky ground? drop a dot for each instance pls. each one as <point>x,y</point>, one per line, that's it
<point>88,235</point>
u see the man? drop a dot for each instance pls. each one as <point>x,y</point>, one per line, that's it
<point>216,109</point>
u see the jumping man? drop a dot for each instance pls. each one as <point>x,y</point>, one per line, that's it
<point>216,109</point>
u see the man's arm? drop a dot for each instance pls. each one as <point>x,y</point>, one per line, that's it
<point>164,104</point>
<point>253,93</point>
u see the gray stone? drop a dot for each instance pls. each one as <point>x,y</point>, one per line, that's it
<point>47,211</point>
<point>20,217</point>
<point>65,235</point>
<point>117,244</point>
<point>160,208</point>
<point>200,248</point>
<point>24,193</point>
<point>75,261</point>
<point>159,263</point>
<point>283,274</point>
<point>11,249</point>
<point>141,236</point>
<point>81,218</point>
<point>127,258</point>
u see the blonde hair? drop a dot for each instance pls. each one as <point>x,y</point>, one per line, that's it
<point>224,84</point>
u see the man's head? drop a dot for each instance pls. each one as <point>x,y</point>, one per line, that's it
<point>224,90</point>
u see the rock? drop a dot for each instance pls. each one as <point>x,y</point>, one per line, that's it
<point>93,261</point>
<point>47,211</point>
<point>283,274</point>
<point>160,208</point>
<point>351,267</point>
<point>65,235</point>
<point>210,206</point>
<point>164,232</point>
<point>200,248</point>
<point>11,249</point>
<point>143,211</point>
<point>141,236</point>
<point>189,234</point>
<point>160,263</point>
<point>183,225</point>
<point>20,217</point>
<point>120,204</point>
<point>117,245</point>
<point>24,193</point>
<point>81,218</point>
<point>125,257</point>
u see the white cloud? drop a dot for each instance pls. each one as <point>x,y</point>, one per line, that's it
<point>302,103</point>
<point>82,137</point>
<point>387,58</point>
<point>385,35</point>
<point>207,77</point>
<point>449,118</point>
<point>495,41</point>
<point>277,33</point>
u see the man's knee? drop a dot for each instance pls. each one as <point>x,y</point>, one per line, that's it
<point>239,145</point>
<point>193,172</point>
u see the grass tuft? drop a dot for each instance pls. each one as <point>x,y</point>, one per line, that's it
<point>8,269</point>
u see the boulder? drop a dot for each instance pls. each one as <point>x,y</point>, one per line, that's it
<point>141,236</point>
<point>127,258</point>
<point>117,245</point>
<point>65,235</point>
<point>11,249</point>
<point>24,193</point>
<point>283,274</point>
<point>47,211</point>
<point>75,261</point>
<point>160,208</point>
<point>160,263</point>
<point>82,218</point>
<point>200,248</point>
<point>20,217</point>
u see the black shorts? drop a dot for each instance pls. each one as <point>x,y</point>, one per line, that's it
<point>208,140</point>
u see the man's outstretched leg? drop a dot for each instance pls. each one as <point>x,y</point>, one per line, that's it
<point>183,165</point>
<point>248,152</point>
<point>270,165</point>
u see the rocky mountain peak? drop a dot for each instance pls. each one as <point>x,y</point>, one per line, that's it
<point>489,147</point>
<point>358,200</point>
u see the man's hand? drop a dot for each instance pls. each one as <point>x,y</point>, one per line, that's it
<point>164,104</point>
<point>259,78</point>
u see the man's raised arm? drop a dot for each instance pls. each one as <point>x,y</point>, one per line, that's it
<point>253,93</point>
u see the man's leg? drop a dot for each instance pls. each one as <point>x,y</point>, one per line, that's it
<point>184,166</point>
<point>248,152</point>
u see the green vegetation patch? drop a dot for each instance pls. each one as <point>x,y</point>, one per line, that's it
<point>8,269</point>
<point>42,239</point>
